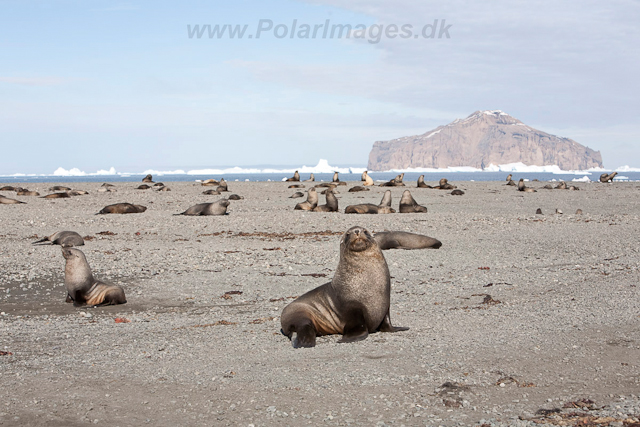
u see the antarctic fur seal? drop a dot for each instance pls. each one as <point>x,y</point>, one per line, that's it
<point>143,187</point>
<point>211,192</point>
<point>368,181</point>
<point>311,178</point>
<point>82,288</point>
<point>122,208</point>
<point>59,188</point>
<point>296,195</point>
<point>409,205</point>
<point>368,208</point>
<point>509,177</point>
<point>405,240</point>
<point>421,183</point>
<point>295,177</point>
<point>354,303</point>
<point>608,177</point>
<point>296,186</point>
<point>522,187</point>
<point>357,188</point>
<point>147,178</point>
<point>56,196</point>
<point>235,197</point>
<point>332,203</point>
<point>63,238</point>
<point>444,185</point>
<point>210,182</point>
<point>310,203</point>
<point>457,192</point>
<point>204,209</point>
<point>24,192</point>
<point>8,201</point>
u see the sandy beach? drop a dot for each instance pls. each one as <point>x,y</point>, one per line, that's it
<point>201,342</point>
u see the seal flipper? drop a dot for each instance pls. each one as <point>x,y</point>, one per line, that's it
<point>355,328</point>
<point>40,241</point>
<point>305,336</point>
<point>386,326</point>
<point>69,299</point>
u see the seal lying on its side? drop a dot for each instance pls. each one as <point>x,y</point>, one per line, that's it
<point>122,208</point>
<point>64,239</point>
<point>368,208</point>
<point>82,288</point>
<point>404,240</point>
<point>216,208</point>
<point>8,201</point>
<point>355,303</point>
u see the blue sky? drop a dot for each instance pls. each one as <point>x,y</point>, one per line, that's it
<point>93,84</point>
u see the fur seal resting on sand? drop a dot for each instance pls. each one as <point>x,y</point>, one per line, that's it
<point>295,177</point>
<point>296,195</point>
<point>211,192</point>
<point>163,188</point>
<point>368,181</point>
<point>561,186</point>
<point>204,209</point>
<point>122,208</point>
<point>311,178</point>
<point>331,185</point>
<point>24,192</point>
<point>404,240</point>
<point>8,201</point>
<point>106,184</point>
<point>8,188</point>
<point>56,196</point>
<point>310,203</point>
<point>444,185</point>
<point>608,177</point>
<point>64,239</point>
<point>509,177</point>
<point>59,188</point>
<point>510,183</point>
<point>296,186</point>
<point>457,192</point>
<point>335,177</point>
<point>222,185</point>
<point>409,205</point>
<point>368,208</point>
<point>159,184</point>
<point>357,188</point>
<point>421,183</point>
<point>77,193</point>
<point>235,197</point>
<point>355,303</point>
<point>332,203</point>
<point>210,182</point>
<point>82,288</point>
<point>143,187</point>
<point>147,178</point>
<point>522,187</point>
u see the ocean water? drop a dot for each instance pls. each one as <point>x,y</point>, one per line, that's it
<point>409,177</point>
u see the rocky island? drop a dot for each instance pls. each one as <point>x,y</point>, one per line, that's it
<point>483,138</point>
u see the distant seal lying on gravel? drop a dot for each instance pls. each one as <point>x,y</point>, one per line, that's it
<point>24,192</point>
<point>368,181</point>
<point>404,240</point>
<point>409,205</point>
<point>296,195</point>
<point>64,239</point>
<point>82,288</point>
<point>122,208</point>
<point>310,203</point>
<point>357,188</point>
<point>355,303</point>
<point>56,196</point>
<point>147,178</point>
<point>59,188</point>
<point>8,201</point>
<point>368,208</point>
<point>457,192</point>
<point>332,203</point>
<point>522,187</point>
<point>203,209</point>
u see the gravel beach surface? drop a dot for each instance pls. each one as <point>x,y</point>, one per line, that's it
<point>517,320</point>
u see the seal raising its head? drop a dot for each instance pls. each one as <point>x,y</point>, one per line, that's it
<point>409,205</point>
<point>82,288</point>
<point>355,303</point>
<point>311,203</point>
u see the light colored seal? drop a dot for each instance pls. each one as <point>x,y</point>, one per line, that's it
<point>311,178</point>
<point>64,239</point>
<point>82,288</point>
<point>210,182</point>
<point>147,178</point>
<point>368,208</point>
<point>509,177</point>
<point>409,205</point>
<point>56,196</point>
<point>77,193</point>
<point>405,240</point>
<point>296,186</point>
<point>24,192</point>
<point>310,203</point>
<point>368,181</point>
<point>8,201</point>
<point>204,209</point>
<point>355,303</point>
<point>332,203</point>
<point>296,195</point>
<point>335,177</point>
<point>122,208</point>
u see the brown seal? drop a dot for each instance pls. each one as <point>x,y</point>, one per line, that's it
<point>235,197</point>
<point>311,178</point>
<point>82,288</point>
<point>335,177</point>
<point>295,177</point>
<point>222,186</point>
<point>409,205</point>
<point>357,188</point>
<point>211,192</point>
<point>457,192</point>
<point>56,196</point>
<point>404,240</point>
<point>163,188</point>
<point>296,186</point>
<point>210,182</point>
<point>539,211</point>
<point>510,183</point>
<point>9,188</point>
<point>143,187</point>
<point>59,188</point>
<point>77,193</point>
<point>608,177</point>
<point>421,183</point>
<point>63,238</point>
<point>122,208</point>
<point>444,185</point>
<point>8,201</point>
<point>310,203</point>
<point>355,303</point>
<point>368,208</point>
<point>147,178</point>
<point>24,192</point>
<point>332,203</point>
<point>522,187</point>
<point>508,177</point>
<point>204,209</point>
<point>296,195</point>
